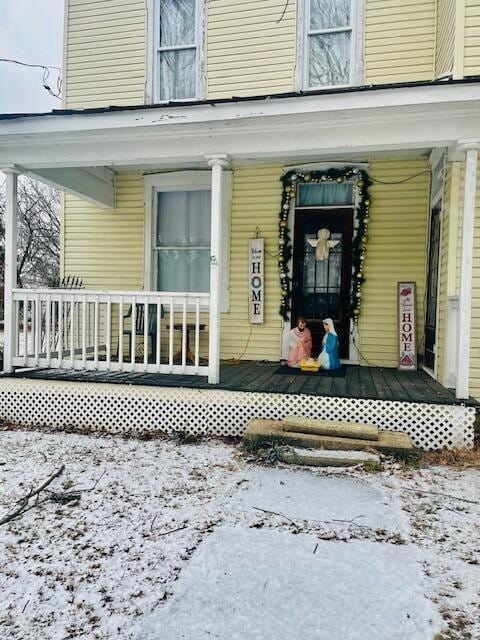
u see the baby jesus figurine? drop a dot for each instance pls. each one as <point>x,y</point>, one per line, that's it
<point>299,343</point>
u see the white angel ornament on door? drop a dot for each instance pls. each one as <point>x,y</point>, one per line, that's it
<point>323,244</point>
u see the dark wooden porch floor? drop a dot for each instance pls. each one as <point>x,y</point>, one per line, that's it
<point>359,382</point>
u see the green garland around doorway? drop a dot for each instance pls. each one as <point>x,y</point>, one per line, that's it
<point>290,182</point>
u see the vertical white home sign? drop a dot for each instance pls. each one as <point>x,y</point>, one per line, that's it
<point>255,280</point>
<point>407,345</point>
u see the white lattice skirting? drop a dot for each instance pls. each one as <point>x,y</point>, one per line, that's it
<point>139,410</point>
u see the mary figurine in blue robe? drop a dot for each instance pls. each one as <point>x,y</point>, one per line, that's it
<point>328,357</point>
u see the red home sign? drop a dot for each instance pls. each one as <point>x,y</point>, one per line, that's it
<point>407,346</point>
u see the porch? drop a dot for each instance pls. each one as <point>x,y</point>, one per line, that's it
<point>144,404</point>
<point>126,327</point>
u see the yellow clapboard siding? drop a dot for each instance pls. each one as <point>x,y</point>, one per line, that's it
<point>384,62</point>
<point>472,38</point>
<point>404,260</point>
<point>250,185</point>
<point>104,247</point>
<point>108,38</point>
<point>254,23</point>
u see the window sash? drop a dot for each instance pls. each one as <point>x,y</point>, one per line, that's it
<point>309,32</point>
<point>189,46</point>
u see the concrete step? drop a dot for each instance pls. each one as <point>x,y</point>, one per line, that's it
<point>262,432</point>
<point>324,458</point>
<point>331,428</point>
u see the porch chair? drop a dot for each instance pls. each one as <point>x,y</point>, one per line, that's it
<point>140,326</point>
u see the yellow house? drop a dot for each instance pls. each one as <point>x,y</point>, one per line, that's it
<point>204,147</point>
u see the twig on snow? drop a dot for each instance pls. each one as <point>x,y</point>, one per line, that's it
<point>42,486</point>
<point>275,513</point>
<point>352,521</point>
<point>23,503</point>
<point>166,533</point>
<point>439,493</point>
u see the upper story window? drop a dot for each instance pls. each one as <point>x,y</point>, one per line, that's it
<point>178,50</point>
<point>330,43</point>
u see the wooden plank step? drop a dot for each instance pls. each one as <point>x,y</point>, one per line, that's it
<point>262,432</point>
<point>331,428</point>
<point>325,458</point>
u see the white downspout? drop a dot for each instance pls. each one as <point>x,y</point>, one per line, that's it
<point>466,271</point>
<point>10,283</point>
<point>218,163</point>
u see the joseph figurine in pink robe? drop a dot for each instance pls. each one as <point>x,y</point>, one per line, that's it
<point>299,343</point>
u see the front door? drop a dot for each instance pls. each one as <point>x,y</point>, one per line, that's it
<point>432,289</point>
<point>321,288</point>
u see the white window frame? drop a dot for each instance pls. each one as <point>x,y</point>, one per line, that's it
<point>185,181</point>
<point>303,49</point>
<point>152,88</point>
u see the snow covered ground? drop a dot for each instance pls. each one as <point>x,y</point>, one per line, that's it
<point>173,541</point>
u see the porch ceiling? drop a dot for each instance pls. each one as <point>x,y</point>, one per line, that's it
<point>285,130</point>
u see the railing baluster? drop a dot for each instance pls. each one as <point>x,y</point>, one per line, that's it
<point>170,341</point>
<point>48,320</point>
<point>38,329</point>
<point>197,334</point>
<point>60,331</point>
<point>77,326</point>
<point>109,332</point>
<point>54,328</point>
<point>25,328</point>
<point>134,332</point>
<point>159,335</point>
<point>145,334</point>
<point>184,334</point>
<point>120,334</point>
<point>72,325</point>
<point>84,332</point>
<point>95,332</point>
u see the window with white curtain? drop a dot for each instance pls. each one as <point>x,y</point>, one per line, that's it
<point>178,54</point>
<point>182,245</point>
<point>330,43</point>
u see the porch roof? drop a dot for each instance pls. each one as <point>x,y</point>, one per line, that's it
<point>79,151</point>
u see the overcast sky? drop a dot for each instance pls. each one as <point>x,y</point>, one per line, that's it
<point>30,31</point>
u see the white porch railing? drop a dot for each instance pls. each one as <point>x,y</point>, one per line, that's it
<point>111,331</point>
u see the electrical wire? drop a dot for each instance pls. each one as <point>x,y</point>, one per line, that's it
<point>284,11</point>
<point>417,175</point>
<point>46,74</point>
<point>238,360</point>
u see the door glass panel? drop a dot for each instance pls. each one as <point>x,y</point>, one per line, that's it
<point>322,280</point>
<point>433,272</point>
<point>330,193</point>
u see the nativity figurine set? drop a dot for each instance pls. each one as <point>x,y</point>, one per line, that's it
<point>300,347</point>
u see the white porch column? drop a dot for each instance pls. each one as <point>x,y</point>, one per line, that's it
<point>10,267</point>
<point>465,290</point>
<point>217,163</point>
